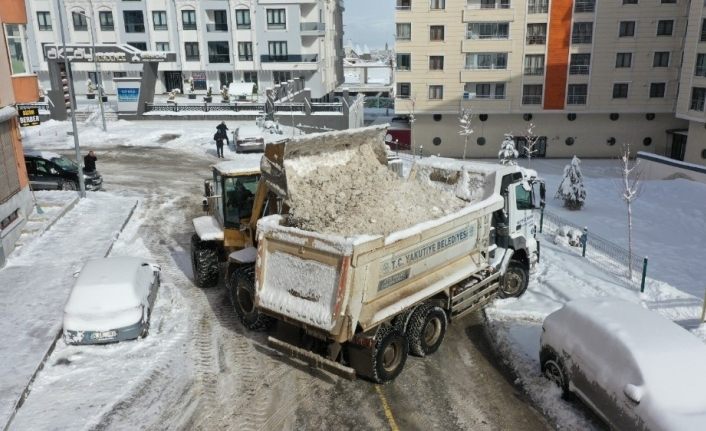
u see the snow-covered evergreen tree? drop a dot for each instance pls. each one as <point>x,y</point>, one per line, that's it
<point>508,153</point>
<point>571,189</point>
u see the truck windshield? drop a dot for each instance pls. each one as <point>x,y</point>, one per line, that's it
<point>239,194</point>
<point>523,198</point>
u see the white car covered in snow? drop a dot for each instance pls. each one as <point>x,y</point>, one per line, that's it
<point>111,301</point>
<point>634,368</point>
<point>249,138</point>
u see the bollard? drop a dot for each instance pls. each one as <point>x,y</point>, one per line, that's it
<point>584,240</point>
<point>541,220</point>
<point>644,275</point>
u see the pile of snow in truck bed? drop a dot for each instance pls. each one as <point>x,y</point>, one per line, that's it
<point>349,193</point>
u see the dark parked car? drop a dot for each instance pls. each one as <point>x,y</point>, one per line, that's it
<point>51,171</point>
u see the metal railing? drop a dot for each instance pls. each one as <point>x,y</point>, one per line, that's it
<point>478,36</point>
<point>584,6</point>
<point>700,71</point>
<point>578,69</point>
<point>538,8</point>
<point>312,26</point>
<point>291,58</point>
<point>217,27</point>
<point>576,99</point>
<point>534,71</point>
<point>205,107</point>
<point>499,4</point>
<point>531,100</point>
<point>537,40</point>
<point>582,38</point>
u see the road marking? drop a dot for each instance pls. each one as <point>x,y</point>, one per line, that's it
<point>386,407</point>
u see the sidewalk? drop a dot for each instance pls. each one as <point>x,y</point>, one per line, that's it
<point>53,204</point>
<point>37,280</point>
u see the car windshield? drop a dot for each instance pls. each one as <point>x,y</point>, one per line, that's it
<point>65,164</point>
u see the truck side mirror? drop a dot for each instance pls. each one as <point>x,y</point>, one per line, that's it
<point>633,393</point>
<point>204,205</point>
<point>207,189</point>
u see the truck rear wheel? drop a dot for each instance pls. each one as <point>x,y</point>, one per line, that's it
<point>389,355</point>
<point>204,263</point>
<point>426,330</point>
<point>515,281</point>
<point>242,296</point>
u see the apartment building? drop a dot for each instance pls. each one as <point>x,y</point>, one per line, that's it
<point>216,41</point>
<point>18,86</point>
<point>590,75</point>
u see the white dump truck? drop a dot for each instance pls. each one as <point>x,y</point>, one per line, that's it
<point>358,304</point>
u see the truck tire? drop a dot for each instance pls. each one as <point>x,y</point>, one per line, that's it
<point>242,296</point>
<point>514,281</point>
<point>204,262</point>
<point>426,330</point>
<point>389,354</point>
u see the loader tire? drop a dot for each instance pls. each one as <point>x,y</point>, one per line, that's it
<point>204,262</point>
<point>514,282</point>
<point>426,330</point>
<point>242,296</point>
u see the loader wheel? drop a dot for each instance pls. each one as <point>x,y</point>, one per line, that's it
<point>242,296</point>
<point>204,262</point>
<point>389,355</point>
<point>515,281</point>
<point>426,330</point>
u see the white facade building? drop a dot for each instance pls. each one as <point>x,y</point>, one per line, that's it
<point>216,41</point>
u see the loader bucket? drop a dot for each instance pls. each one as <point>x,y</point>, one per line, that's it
<point>302,154</point>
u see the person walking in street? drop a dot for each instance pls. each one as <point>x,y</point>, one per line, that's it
<point>223,129</point>
<point>89,161</point>
<point>218,137</point>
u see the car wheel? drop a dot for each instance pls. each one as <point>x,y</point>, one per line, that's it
<point>68,185</point>
<point>553,369</point>
<point>242,297</point>
<point>204,262</point>
<point>426,330</point>
<point>514,281</point>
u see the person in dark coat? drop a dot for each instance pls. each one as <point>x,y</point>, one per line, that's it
<point>223,129</point>
<point>89,161</point>
<point>218,137</point>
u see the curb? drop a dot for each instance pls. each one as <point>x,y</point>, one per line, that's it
<point>62,213</point>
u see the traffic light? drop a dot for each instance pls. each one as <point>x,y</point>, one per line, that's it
<point>65,88</point>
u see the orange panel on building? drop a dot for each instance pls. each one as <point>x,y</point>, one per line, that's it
<point>26,88</point>
<point>13,12</point>
<point>558,54</point>
<point>19,155</point>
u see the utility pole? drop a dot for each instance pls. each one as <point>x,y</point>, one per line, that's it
<point>72,103</point>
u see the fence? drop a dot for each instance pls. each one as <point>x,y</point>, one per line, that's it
<point>240,106</point>
<point>610,256</point>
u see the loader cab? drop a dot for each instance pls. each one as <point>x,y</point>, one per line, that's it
<point>231,197</point>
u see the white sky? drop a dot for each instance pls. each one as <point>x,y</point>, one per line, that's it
<point>369,22</point>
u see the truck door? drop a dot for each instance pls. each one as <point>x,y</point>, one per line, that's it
<point>521,221</point>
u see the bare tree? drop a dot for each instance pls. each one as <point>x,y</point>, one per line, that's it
<point>630,185</point>
<point>466,129</point>
<point>530,143</point>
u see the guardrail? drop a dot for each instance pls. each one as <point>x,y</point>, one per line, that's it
<point>204,107</point>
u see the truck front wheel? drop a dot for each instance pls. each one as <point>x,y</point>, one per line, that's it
<point>242,296</point>
<point>204,263</point>
<point>514,281</point>
<point>426,330</point>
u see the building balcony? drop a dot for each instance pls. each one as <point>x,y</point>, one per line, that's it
<point>217,27</point>
<point>404,5</point>
<point>473,14</point>
<point>314,29</point>
<point>486,45</point>
<point>290,62</point>
<point>485,75</point>
<point>576,99</point>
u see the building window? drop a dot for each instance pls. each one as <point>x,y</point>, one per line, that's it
<point>436,62</point>
<point>580,64</point>
<point>404,90</point>
<point>582,32</point>
<point>486,60</point>
<point>488,4</point>
<point>218,52</point>
<point>436,92</point>
<point>536,34</point>
<point>436,32</point>
<point>106,20</point>
<point>134,21</point>
<point>79,20</point>
<point>486,90</point>
<point>191,51</point>
<point>437,4</point>
<point>119,74</point>
<point>242,19</point>
<point>698,96</point>
<point>44,21</point>
<point>404,31</point>
<point>404,61</point>
<point>537,6</point>
<point>487,30</point>
<point>142,46</point>
<point>219,20</point>
<point>276,19</point>
<point>159,20</point>
<point>250,76</point>
<point>584,5</point>
<point>245,51</point>
<point>534,64</point>
<point>188,19</point>
<point>279,76</point>
<point>277,50</point>
<point>627,29</point>
<point>629,1</point>
<point>620,91</point>
<point>661,59</point>
<point>700,65</point>
<point>623,59</point>
<point>162,46</point>
<point>15,36</point>
<point>577,94</point>
<point>665,27</point>
<point>532,94</point>
<point>657,90</point>
<point>703,31</point>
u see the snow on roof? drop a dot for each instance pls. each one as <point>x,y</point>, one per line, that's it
<point>243,164</point>
<point>47,155</point>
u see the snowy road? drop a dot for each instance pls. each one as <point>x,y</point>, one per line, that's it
<point>199,369</point>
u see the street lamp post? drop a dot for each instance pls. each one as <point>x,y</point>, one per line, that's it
<point>72,104</point>
<point>99,78</point>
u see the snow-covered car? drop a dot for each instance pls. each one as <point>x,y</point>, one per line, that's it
<point>111,301</point>
<point>249,138</point>
<point>636,369</point>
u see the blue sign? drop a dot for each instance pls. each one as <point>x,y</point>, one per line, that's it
<point>128,94</point>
